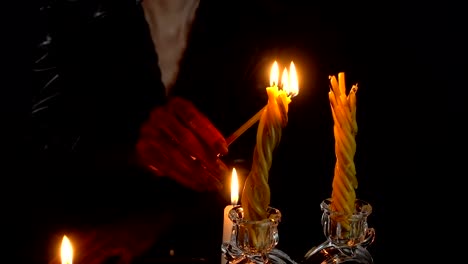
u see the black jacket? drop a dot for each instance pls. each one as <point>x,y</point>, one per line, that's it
<point>95,79</point>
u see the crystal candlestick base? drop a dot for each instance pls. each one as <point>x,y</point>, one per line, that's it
<point>343,244</point>
<point>254,241</point>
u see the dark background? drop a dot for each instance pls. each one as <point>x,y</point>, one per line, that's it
<point>405,59</point>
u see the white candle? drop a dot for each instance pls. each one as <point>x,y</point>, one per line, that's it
<point>66,251</point>
<point>227,224</point>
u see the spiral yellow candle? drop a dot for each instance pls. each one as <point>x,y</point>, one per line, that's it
<point>345,129</point>
<point>256,193</point>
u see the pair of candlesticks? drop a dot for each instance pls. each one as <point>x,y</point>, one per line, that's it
<point>254,242</point>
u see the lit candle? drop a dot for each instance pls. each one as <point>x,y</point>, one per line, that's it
<point>256,193</point>
<point>293,90</point>
<point>227,224</point>
<point>345,129</point>
<point>66,251</point>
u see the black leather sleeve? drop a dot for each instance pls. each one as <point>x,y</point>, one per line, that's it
<point>95,80</point>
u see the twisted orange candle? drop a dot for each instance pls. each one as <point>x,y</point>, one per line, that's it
<point>256,193</point>
<point>345,130</point>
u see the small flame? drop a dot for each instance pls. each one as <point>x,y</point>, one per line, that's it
<point>285,80</point>
<point>234,187</point>
<point>66,251</point>
<point>293,87</point>
<point>274,74</point>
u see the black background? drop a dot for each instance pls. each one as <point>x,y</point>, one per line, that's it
<point>410,109</point>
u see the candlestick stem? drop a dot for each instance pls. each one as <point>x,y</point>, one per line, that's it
<point>254,119</point>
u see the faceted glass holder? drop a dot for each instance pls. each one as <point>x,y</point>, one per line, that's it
<point>254,241</point>
<point>343,244</point>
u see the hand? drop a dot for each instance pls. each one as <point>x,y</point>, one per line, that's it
<point>120,242</point>
<point>180,142</point>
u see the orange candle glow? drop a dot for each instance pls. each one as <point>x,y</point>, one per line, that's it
<point>66,251</point>
<point>227,224</point>
<point>256,193</point>
<point>290,85</point>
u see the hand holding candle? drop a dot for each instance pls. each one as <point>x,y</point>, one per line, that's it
<point>256,193</point>
<point>180,142</point>
<point>345,130</point>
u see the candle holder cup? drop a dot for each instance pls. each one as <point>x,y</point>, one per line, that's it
<point>343,244</point>
<point>254,242</point>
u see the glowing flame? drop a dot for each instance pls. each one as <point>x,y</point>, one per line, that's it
<point>66,251</point>
<point>274,74</point>
<point>292,88</point>
<point>234,187</point>
<point>285,80</point>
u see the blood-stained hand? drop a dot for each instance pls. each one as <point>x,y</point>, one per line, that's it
<point>179,142</point>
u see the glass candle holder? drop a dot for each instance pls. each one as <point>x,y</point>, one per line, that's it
<point>343,244</point>
<point>254,241</point>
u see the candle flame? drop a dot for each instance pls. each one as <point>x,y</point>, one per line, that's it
<point>285,80</point>
<point>234,187</point>
<point>292,88</point>
<point>274,74</point>
<point>66,251</point>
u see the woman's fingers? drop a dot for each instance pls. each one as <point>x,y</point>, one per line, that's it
<point>199,124</point>
<point>165,159</point>
<point>165,126</point>
<point>181,143</point>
